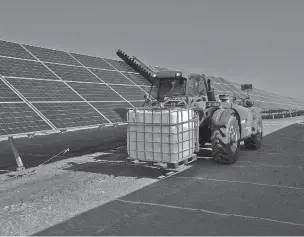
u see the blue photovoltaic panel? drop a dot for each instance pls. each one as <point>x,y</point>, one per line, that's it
<point>129,92</point>
<point>50,55</point>
<point>111,77</point>
<point>137,79</point>
<point>92,62</point>
<point>18,118</point>
<point>70,115</point>
<point>6,94</point>
<point>95,92</point>
<point>9,49</point>
<point>42,90</point>
<point>72,73</point>
<point>116,112</point>
<point>24,68</point>
<point>120,65</point>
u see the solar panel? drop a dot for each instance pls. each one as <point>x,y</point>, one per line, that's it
<point>42,90</point>
<point>129,92</point>
<point>70,115</point>
<point>72,73</point>
<point>137,79</point>
<point>112,77</point>
<point>120,65</point>
<point>9,49</point>
<point>6,94</point>
<point>18,118</point>
<point>116,111</point>
<point>23,68</point>
<point>96,92</point>
<point>92,62</point>
<point>50,55</point>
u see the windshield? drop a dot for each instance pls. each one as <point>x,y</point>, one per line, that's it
<point>169,88</point>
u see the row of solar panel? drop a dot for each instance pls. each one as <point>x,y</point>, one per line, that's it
<point>28,52</point>
<point>30,69</point>
<point>20,118</point>
<point>44,90</point>
<point>78,73</point>
<point>58,94</point>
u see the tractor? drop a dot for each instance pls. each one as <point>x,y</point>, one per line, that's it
<point>223,122</point>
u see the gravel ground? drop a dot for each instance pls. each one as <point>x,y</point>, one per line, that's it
<point>97,194</point>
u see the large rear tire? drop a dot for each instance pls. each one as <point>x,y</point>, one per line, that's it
<point>226,142</point>
<point>255,141</point>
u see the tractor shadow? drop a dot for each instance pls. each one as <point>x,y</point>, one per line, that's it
<point>288,141</point>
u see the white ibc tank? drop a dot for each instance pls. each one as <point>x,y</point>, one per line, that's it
<point>166,135</point>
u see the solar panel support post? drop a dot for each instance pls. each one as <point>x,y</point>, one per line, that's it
<point>16,153</point>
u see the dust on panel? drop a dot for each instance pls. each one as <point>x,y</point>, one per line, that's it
<point>129,92</point>
<point>22,68</point>
<point>92,62</point>
<point>43,90</point>
<point>9,49</point>
<point>17,118</point>
<point>95,92</point>
<point>72,73</point>
<point>6,94</point>
<point>111,77</point>
<point>51,55</point>
<point>115,111</point>
<point>70,115</point>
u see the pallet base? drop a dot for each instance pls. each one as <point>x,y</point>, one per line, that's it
<point>168,166</point>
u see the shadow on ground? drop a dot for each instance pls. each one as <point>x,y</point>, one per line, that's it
<point>39,149</point>
<point>169,207</point>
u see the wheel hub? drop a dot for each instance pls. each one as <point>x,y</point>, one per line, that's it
<point>233,138</point>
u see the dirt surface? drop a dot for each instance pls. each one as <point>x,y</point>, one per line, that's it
<point>97,194</point>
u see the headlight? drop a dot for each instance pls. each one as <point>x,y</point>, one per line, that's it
<point>154,75</point>
<point>178,74</point>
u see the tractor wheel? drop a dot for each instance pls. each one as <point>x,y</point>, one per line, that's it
<point>255,141</point>
<point>226,142</point>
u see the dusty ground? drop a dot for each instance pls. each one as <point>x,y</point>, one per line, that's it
<point>97,194</point>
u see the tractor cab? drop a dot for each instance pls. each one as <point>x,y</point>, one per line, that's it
<point>171,85</point>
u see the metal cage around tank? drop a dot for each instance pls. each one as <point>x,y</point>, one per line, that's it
<point>162,135</point>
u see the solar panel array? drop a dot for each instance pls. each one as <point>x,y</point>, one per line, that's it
<point>45,90</point>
